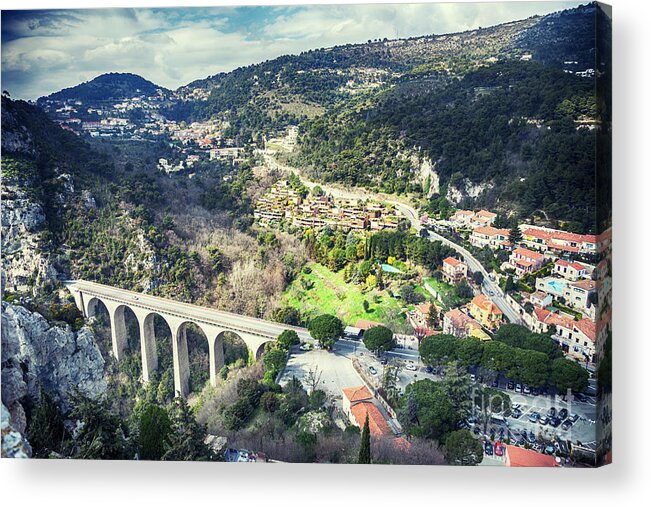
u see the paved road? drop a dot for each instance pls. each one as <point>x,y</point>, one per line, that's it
<point>489,287</point>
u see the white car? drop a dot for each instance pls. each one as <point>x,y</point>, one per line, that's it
<point>410,367</point>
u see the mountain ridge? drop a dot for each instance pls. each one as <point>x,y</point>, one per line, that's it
<point>107,86</point>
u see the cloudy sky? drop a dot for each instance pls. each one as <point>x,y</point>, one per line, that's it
<point>46,50</point>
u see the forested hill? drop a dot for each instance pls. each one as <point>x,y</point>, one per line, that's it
<point>511,127</point>
<point>111,86</point>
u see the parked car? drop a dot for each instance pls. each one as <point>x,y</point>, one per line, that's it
<point>573,417</point>
<point>372,370</point>
<point>543,421</point>
<point>531,437</point>
<point>306,346</point>
<point>515,406</point>
<point>518,388</point>
<point>410,366</point>
<point>566,425</point>
<point>510,385</point>
<point>534,417</point>
<point>555,421</point>
<point>516,413</point>
<point>562,413</point>
<point>499,449</point>
<point>525,389</point>
<point>383,360</point>
<point>495,383</point>
<point>535,391</point>
<point>473,377</point>
<point>429,369</point>
<point>550,449</point>
<point>488,449</point>
<point>551,412</point>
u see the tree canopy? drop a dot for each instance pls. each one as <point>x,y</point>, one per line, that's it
<point>379,339</point>
<point>326,329</point>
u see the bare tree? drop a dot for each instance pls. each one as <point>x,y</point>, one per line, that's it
<point>313,379</point>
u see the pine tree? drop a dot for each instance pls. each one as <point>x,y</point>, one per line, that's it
<point>154,429</point>
<point>433,316</point>
<point>186,440</point>
<point>365,447</point>
<point>46,432</point>
<point>515,236</point>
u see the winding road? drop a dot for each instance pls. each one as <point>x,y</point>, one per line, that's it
<point>489,287</point>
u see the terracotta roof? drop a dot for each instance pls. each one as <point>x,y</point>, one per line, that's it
<point>460,319</point>
<point>566,264</point>
<point>529,254</point>
<point>377,424</point>
<point>357,393</point>
<point>520,457</point>
<point>451,261</point>
<point>588,328</point>
<point>566,248</point>
<point>485,214</point>
<point>463,212</point>
<point>491,231</point>
<point>554,319</point>
<point>401,443</point>
<point>484,302</point>
<point>552,234</point>
<point>424,308</point>
<point>366,324</point>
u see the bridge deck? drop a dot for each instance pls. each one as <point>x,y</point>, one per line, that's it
<point>194,313</point>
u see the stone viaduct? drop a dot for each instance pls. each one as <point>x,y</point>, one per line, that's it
<point>254,332</point>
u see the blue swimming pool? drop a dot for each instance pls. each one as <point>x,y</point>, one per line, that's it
<point>558,286</point>
<point>390,269</point>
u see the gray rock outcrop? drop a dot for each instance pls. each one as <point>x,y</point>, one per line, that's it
<point>14,444</point>
<point>37,355</point>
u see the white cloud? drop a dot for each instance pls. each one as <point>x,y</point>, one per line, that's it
<point>57,49</point>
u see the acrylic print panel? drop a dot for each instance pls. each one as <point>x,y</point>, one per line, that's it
<point>266,234</point>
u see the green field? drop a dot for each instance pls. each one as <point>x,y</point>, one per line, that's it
<point>447,292</point>
<point>330,294</point>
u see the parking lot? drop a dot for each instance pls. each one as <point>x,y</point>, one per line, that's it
<point>336,370</point>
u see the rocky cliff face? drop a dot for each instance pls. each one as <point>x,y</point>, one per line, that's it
<point>465,188</point>
<point>25,263</point>
<point>37,355</point>
<point>14,443</point>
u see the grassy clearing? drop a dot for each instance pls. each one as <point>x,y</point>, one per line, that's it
<point>447,292</point>
<point>323,291</point>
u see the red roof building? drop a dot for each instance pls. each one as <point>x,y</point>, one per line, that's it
<point>520,457</point>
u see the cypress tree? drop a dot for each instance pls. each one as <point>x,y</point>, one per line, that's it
<point>515,236</point>
<point>365,447</point>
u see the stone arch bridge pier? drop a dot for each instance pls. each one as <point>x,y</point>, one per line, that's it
<point>255,333</point>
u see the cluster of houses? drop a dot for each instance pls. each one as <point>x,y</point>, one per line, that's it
<point>565,293</point>
<point>116,119</point>
<point>282,202</point>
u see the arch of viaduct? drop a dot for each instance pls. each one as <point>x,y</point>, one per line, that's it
<point>254,332</point>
